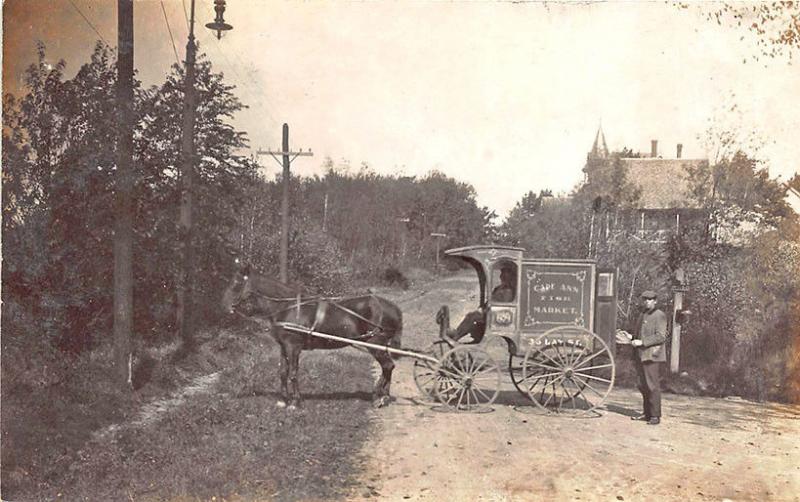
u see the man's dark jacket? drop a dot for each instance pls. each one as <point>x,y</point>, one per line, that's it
<point>653,333</point>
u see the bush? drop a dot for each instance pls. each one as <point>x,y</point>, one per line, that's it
<point>394,277</point>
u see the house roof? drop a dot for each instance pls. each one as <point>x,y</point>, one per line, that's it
<point>664,183</point>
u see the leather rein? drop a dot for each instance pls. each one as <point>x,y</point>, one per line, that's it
<point>309,300</point>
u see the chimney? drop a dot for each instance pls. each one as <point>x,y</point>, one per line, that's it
<point>680,150</point>
<point>654,148</point>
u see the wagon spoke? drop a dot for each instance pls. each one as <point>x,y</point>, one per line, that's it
<point>483,397</point>
<point>545,354</point>
<point>558,353</point>
<point>604,380</point>
<point>544,388</point>
<point>582,396</point>
<point>581,363</point>
<point>426,379</point>
<point>577,354</point>
<point>555,381</point>
<point>446,385</point>
<point>590,387</point>
<point>609,365</point>
<point>535,363</point>
<point>488,370</point>
<point>482,365</point>
<point>564,393</point>
<point>461,393</point>
<point>450,391</point>
<point>550,396</point>
<point>546,375</point>
<point>450,374</point>
<point>478,390</point>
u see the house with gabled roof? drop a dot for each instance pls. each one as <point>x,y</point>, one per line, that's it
<point>665,204</point>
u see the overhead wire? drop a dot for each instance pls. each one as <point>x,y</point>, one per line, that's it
<point>88,22</point>
<point>169,30</point>
<point>185,15</point>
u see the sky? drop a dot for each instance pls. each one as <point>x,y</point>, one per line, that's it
<point>505,96</point>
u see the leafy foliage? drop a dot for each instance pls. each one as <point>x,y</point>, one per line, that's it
<point>348,227</point>
<point>58,160</point>
<point>774,25</point>
<point>735,193</point>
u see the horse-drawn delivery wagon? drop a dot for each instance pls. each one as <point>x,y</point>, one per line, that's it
<point>557,318</point>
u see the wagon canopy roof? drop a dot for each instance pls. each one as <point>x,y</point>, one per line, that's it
<point>467,250</point>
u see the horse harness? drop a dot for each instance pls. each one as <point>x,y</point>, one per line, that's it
<point>319,314</point>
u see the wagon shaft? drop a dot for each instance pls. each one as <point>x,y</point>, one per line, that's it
<point>308,331</point>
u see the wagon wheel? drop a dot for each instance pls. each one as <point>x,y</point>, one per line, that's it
<point>426,374</point>
<point>515,370</point>
<point>470,379</point>
<point>566,376</point>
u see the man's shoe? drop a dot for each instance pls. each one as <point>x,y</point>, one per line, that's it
<point>642,418</point>
<point>654,421</point>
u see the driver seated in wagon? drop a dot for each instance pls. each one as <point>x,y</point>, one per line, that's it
<point>506,291</point>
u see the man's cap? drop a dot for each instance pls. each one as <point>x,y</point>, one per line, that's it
<point>649,294</point>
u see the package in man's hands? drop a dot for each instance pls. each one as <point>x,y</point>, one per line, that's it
<point>623,337</point>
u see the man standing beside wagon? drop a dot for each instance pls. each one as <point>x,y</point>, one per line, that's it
<point>650,352</point>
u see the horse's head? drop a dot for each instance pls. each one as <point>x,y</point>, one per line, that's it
<point>239,290</point>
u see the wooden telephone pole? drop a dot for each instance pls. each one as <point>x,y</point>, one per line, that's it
<point>288,157</point>
<point>123,228</point>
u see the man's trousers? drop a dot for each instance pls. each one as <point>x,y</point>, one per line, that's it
<point>650,387</point>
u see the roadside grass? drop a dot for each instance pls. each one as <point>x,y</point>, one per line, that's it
<point>230,443</point>
<point>47,416</point>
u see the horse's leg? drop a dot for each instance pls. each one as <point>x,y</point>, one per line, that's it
<point>294,365</point>
<point>381,393</point>
<point>284,371</point>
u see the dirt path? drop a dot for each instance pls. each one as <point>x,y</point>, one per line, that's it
<point>705,449</point>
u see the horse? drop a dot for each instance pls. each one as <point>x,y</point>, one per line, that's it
<point>366,318</point>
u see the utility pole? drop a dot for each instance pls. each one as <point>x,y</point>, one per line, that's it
<point>678,315</point>
<point>439,237</point>
<point>325,214</point>
<point>123,228</point>
<point>186,278</point>
<point>288,157</point>
<point>403,237</point>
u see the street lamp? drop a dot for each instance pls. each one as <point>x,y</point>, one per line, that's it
<point>185,314</point>
<point>219,25</point>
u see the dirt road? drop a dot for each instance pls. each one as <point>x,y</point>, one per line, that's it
<point>705,449</point>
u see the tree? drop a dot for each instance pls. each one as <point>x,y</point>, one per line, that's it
<point>59,157</point>
<point>736,195</point>
<point>607,186</point>
<point>222,178</point>
<point>774,25</point>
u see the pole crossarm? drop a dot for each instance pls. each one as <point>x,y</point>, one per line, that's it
<point>291,155</point>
